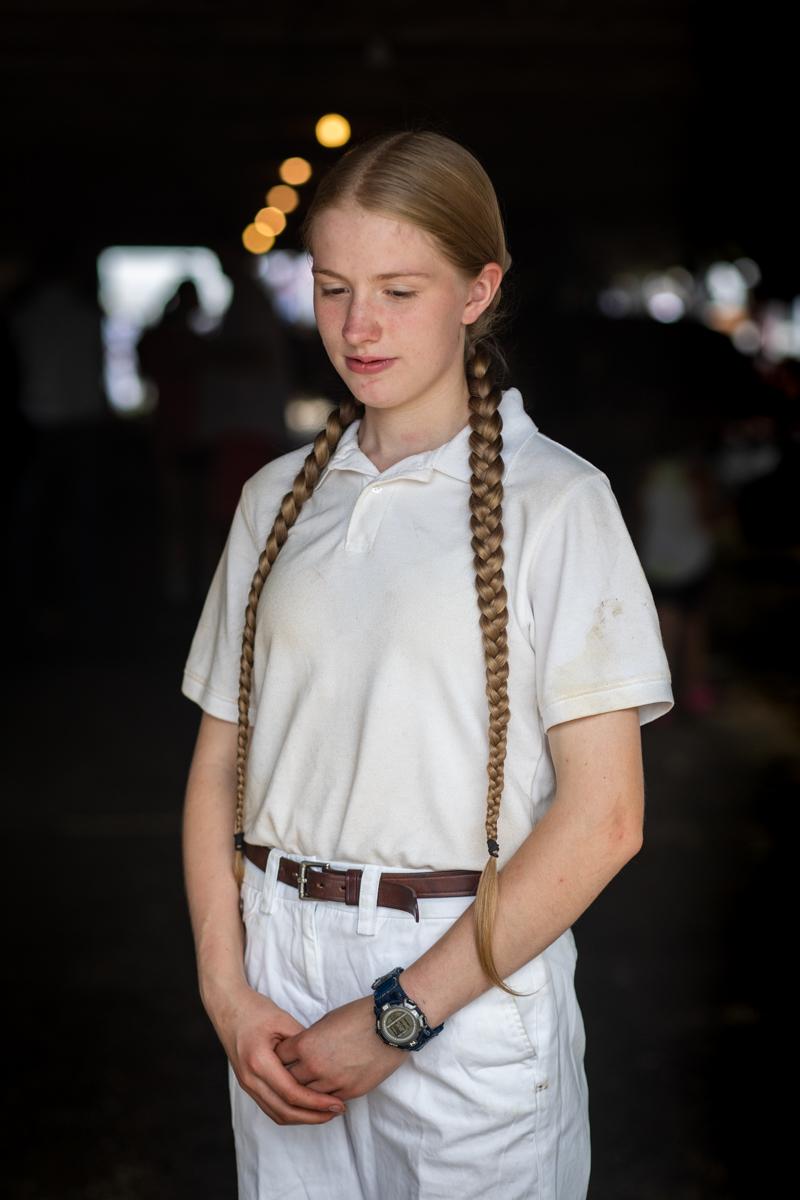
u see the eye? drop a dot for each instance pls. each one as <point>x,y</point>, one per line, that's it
<point>398,295</point>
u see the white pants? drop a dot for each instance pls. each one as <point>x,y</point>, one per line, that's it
<point>495,1105</point>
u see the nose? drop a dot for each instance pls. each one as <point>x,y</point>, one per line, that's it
<point>361,326</point>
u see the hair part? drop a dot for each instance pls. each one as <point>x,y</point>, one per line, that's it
<point>434,183</point>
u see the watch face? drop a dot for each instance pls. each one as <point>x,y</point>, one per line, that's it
<point>399,1025</point>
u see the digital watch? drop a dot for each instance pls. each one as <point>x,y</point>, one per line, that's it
<point>398,1020</point>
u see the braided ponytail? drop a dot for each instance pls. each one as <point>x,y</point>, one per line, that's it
<point>305,481</point>
<point>486,507</point>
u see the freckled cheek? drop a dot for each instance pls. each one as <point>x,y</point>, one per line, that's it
<point>329,327</point>
<point>419,330</point>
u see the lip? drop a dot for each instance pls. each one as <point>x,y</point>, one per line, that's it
<point>369,366</point>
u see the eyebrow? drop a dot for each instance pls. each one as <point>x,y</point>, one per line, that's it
<point>384,275</point>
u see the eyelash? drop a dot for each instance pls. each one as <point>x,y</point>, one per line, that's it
<point>392,292</point>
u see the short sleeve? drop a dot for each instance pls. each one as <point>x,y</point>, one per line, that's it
<point>211,672</point>
<point>595,630</point>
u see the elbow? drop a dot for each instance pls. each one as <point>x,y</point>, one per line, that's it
<point>635,842</point>
<point>626,837</point>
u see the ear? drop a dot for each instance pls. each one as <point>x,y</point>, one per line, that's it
<point>481,292</point>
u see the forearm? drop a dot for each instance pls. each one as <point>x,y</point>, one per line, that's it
<point>212,894</point>
<point>554,876</point>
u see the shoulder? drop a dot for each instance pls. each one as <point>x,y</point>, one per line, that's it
<point>263,491</point>
<point>544,474</point>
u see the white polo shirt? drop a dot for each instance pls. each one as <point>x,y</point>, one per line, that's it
<point>368,701</point>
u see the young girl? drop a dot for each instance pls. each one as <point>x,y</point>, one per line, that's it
<point>430,608</point>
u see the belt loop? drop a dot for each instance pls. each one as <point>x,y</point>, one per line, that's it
<point>270,879</point>
<point>368,898</point>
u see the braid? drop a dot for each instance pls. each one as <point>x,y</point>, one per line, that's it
<point>304,483</point>
<point>486,507</point>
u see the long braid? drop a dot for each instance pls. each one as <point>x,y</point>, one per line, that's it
<point>486,507</point>
<point>303,486</point>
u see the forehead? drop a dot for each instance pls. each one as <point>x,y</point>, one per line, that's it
<point>350,233</point>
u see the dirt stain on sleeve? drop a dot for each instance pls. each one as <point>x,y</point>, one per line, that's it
<point>593,665</point>
<point>604,608</point>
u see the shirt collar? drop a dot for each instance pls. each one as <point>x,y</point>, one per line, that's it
<point>451,458</point>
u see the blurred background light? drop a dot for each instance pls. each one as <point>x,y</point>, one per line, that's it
<point>256,241</point>
<point>778,337</point>
<point>332,130</point>
<point>665,295</point>
<point>749,270</point>
<point>134,285</point>
<point>726,284</point>
<point>269,221</point>
<point>746,337</point>
<point>665,306</point>
<point>295,170</point>
<point>287,276</point>
<point>306,415</point>
<point>615,302</point>
<point>283,197</point>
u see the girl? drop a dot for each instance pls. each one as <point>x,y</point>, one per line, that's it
<point>430,595</point>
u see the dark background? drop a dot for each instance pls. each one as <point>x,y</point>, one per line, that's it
<point>627,135</point>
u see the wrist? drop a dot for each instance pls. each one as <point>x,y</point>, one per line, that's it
<point>422,995</point>
<point>219,990</point>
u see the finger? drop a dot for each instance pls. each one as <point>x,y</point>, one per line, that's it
<point>298,1094</point>
<point>285,1113</point>
<point>307,1076</point>
<point>268,1076</point>
<point>286,1052</point>
<point>300,1073</point>
<point>295,1093</point>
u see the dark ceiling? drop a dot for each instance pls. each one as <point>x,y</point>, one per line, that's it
<point>627,131</point>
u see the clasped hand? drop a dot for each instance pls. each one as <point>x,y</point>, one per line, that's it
<point>341,1053</point>
<point>297,1074</point>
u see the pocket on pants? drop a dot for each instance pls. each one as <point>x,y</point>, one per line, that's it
<point>254,933</point>
<point>497,1030</point>
<point>532,979</point>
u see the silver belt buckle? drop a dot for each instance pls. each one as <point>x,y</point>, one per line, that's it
<point>301,876</point>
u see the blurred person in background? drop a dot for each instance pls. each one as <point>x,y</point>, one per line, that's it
<point>245,388</point>
<point>679,506</point>
<point>55,325</point>
<point>170,353</point>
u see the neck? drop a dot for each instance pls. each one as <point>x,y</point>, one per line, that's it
<point>388,435</point>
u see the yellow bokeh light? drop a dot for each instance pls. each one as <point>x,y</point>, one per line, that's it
<point>269,220</point>
<point>295,170</point>
<point>255,241</point>
<point>283,197</point>
<point>332,130</point>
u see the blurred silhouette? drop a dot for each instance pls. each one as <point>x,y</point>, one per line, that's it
<point>245,390</point>
<point>170,354</point>
<point>748,463</point>
<point>55,326</point>
<point>679,506</point>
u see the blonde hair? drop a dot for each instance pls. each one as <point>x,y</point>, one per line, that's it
<point>427,179</point>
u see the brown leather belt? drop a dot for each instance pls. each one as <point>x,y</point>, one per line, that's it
<point>396,889</point>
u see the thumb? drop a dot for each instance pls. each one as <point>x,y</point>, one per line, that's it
<point>284,1025</point>
<point>286,1042</point>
